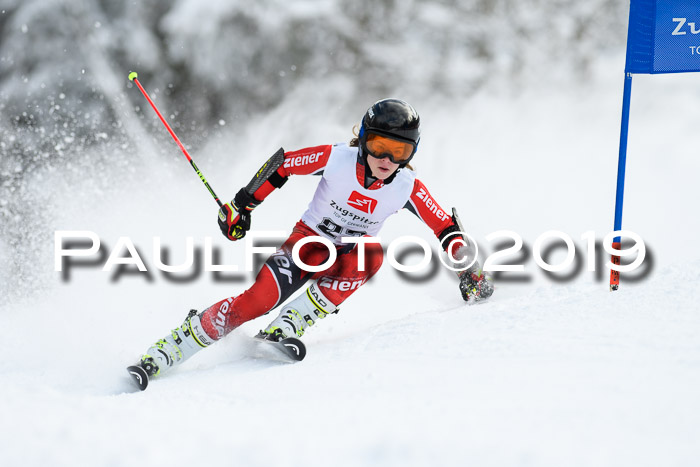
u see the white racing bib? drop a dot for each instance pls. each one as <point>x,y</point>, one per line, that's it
<point>343,207</point>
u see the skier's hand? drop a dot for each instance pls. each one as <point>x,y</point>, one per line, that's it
<point>234,217</point>
<point>475,285</point>
<point>233,224</point>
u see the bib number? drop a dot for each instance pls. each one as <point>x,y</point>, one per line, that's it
<point>334,230</point>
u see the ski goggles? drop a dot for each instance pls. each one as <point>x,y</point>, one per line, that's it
<point>398,151</point>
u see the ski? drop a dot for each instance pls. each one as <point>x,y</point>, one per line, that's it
<point>291,347</point>
<point>139,376</point>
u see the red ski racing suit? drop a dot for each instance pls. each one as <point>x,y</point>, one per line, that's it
<point>341,207</point>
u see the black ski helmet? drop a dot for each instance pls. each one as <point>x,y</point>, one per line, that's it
<point>393,118</point>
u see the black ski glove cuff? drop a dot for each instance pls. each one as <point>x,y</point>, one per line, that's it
<point>244,202</point>
<point>445,237</point>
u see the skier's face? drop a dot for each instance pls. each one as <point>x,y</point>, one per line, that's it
<point>381,168</point>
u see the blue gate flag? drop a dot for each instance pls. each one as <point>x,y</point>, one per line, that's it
<point>663,36</point>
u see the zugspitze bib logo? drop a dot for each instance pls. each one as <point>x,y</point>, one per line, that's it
<point>361,202</point>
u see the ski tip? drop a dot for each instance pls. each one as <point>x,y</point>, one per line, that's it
<point>295,348</point>
<point>139,376</point>
<point>133,75</point>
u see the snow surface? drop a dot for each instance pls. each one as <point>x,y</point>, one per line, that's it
<point>547,373</point>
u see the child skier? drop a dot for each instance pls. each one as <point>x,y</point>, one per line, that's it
<point>362,184</point>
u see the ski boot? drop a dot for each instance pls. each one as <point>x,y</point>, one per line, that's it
<point>298,315</point>
<point>176,347</point>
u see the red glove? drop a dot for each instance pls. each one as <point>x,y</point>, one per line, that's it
<point>475,285</point>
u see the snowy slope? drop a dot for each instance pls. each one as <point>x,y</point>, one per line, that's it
<point>546,373</point>
<point>564,375</point>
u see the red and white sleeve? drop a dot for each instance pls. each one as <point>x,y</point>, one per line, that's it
<point>422,204</point>
<point>278,168</point>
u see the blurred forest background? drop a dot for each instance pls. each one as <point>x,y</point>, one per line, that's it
<point>70,120</point>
